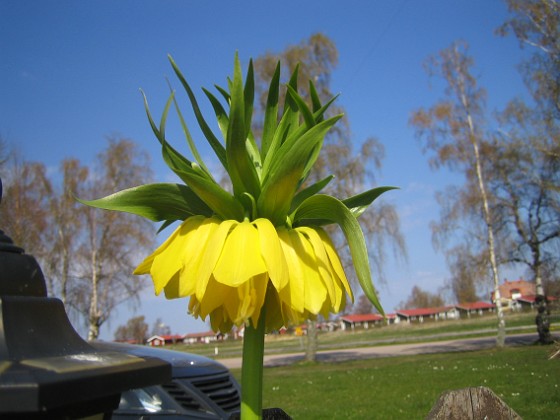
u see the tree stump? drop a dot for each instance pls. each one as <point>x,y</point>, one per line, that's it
<point>475,403</point>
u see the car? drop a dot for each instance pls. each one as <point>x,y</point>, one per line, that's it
<point>201,388</point>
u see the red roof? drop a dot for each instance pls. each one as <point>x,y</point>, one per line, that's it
<point>200,334</point>
<point>471,306</point>
<point>362,318</point>
<point>424,311</point>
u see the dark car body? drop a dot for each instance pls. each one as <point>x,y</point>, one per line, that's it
<point>201,388</point>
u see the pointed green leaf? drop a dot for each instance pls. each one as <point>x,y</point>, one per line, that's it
<point>219,200</point>
<point>278,139</point>
<point>286,170</point>
<point>271,112</point>
<point>172,158</point>
<point>156,202</point>
<point>315,100</point>
<point>254,154</point>
<point>302,106</point>
<point>221,114</point>
<point>240,166</point>
<point>210,137</point>
<point>164,114</point>
<point>309,191</point>
<point>224,93</point>
<point>327,207</point>
<point>290,106</point>
<point>165,224</point>
<point>190,141</point>
<point>284,133</point>
<point>293,83</point>
<point>319,113</point>
<point>360,202</point>
<point>249,97</point>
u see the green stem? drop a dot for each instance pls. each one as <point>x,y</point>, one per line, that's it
<point>252,370</point>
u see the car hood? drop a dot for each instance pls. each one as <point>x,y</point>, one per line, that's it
<point>184,365</point>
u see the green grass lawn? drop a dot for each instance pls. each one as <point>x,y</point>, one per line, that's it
<point>407,387</point>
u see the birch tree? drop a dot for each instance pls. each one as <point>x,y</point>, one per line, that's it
<point>64,229</point>
<point>453,130</point>
<point>112,243</point>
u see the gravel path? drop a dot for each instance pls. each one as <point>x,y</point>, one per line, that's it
<point>467,344</point>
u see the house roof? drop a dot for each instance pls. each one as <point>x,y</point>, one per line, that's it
<point>532,298</point>
<point>166,337</point>
<point>524,287</point>
<point>424,311</point>
<point>471,306</point>
<point>200,334</point>
<point>362,318</point>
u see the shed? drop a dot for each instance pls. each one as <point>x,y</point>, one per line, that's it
<point>475,308</point>
<point>360,320</point>
<point>422,314</point>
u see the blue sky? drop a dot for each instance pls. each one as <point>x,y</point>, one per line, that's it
<point>70,73</point>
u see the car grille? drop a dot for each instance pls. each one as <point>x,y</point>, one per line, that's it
<point>221,390</point>
<point>183,396</point>
<point>193,393</point>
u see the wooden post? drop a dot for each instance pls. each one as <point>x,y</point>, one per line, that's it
<point>471,404</point>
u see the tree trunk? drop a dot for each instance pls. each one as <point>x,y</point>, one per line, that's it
<point>311,350</point>
<point>542,319</point>
<point>94,316</point>
<point>501,333</point>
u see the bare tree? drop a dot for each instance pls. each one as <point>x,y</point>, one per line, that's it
<point>64,232</point>
<point>112,243</point>
<point>363,306</point>
<point>467,270</point>
<point>24,210</point>
<point>536,24</point>
<point>525,182</point>
<point>454,131</point>
<point>135,330</point>
<point>422,299</point>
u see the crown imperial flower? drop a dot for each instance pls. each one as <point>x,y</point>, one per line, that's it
<point>260,251</point>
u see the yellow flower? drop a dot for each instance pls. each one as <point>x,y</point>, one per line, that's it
<point>231,269</point>
<point>261,249</point>
<point>259,256</point>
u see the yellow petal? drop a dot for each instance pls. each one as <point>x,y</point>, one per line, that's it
<point>315,291</point>
<point>145,266</point>
<point>220,321</point>
<point>194,306</point>
<point>241,257</point>
<point>215,297</point>
<point>293,293</point>
<point>335,262</point>
<point>274,317</point>
<point>272,253</point>
<point>258,286</point>
<point>170,258</point>
<point>323,263</point>
<point>172,288</point>
<point>205,250</point>
<point>305,284</point>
